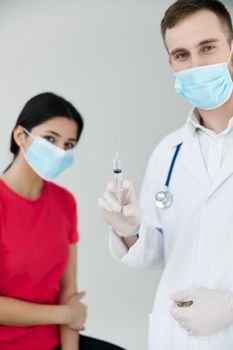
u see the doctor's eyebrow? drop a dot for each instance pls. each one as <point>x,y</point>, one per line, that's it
<point>204,42</point>
<point>58,135</point>
<point>207,41</point>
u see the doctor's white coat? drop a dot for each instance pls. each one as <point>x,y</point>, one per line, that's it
<point>192,239</point>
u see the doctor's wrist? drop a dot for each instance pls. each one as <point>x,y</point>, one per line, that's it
<point>130,241</point>
<point>132,233</point>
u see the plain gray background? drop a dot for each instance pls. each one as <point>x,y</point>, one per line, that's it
<point>107,58</point>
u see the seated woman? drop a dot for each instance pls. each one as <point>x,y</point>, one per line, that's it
<point>40,308</point>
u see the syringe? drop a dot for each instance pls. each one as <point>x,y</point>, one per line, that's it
<point>117,170</point>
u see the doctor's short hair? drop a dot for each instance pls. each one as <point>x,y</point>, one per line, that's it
<point>183,8</point>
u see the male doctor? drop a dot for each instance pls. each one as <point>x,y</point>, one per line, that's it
<point>187,225</point>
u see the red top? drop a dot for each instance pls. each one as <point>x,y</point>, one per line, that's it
<point>34,249</point>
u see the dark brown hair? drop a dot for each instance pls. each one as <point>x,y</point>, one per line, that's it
<point>183,8</point>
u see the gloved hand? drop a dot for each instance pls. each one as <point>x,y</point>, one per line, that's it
<point>211,310</point>
<point>124,218</point>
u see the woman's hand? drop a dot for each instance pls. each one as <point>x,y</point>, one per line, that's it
<point>78,312</point>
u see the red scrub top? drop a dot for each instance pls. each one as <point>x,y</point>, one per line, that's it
<point>34,249</point>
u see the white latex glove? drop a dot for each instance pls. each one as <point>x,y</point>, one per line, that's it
<point>125,218</point>
<point>211,310</point>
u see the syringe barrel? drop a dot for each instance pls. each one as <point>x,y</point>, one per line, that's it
<point>119,187</point>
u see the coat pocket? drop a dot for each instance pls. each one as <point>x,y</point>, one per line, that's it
<point>153,337</point>
<point>166,334</point>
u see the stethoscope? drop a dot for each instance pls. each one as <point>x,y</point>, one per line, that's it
<point>163,198</point>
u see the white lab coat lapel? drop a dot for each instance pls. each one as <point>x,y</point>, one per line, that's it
<point>192,157</point>
<point>225,171</point>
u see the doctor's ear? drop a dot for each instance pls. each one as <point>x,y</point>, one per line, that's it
<point>170,60</point>
<point>230,65</point>
<point>19,135</point>
<point>231,46</point>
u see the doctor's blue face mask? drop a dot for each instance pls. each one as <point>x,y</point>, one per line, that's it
<point>45,158</point>
<point>206,87</point>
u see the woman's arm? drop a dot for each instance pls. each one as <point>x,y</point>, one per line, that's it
<point>68,287</point>
<point>16,312</point>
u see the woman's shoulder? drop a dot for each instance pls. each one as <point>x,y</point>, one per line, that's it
<point>60,192</point>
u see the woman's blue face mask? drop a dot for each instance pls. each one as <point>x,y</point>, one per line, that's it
<point>206,87</point>
<point>46,159</point>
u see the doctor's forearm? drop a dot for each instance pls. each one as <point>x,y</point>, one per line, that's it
<point>16,312</point>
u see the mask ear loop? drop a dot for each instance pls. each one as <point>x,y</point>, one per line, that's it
<point>28,132</point>
<point>230,54</point>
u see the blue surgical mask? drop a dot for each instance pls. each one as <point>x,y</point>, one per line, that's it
<point>206,87</point>
<point>46,159</point>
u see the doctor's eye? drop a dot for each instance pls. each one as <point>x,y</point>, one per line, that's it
<point>181,56</point>
<point>208,48</point>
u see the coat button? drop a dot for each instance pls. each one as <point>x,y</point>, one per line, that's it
<point>205,343</point>
<point>208,268</point>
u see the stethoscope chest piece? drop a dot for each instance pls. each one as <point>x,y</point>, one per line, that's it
<point>163,199</point>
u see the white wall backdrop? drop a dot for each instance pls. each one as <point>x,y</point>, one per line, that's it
<point>107,57</point>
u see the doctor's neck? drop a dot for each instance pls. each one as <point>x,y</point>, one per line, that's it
<point>217,119</point>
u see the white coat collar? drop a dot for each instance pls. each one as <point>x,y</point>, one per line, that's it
<point>193,160</point>
<point>191,154</point>
<point>194,122</point>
